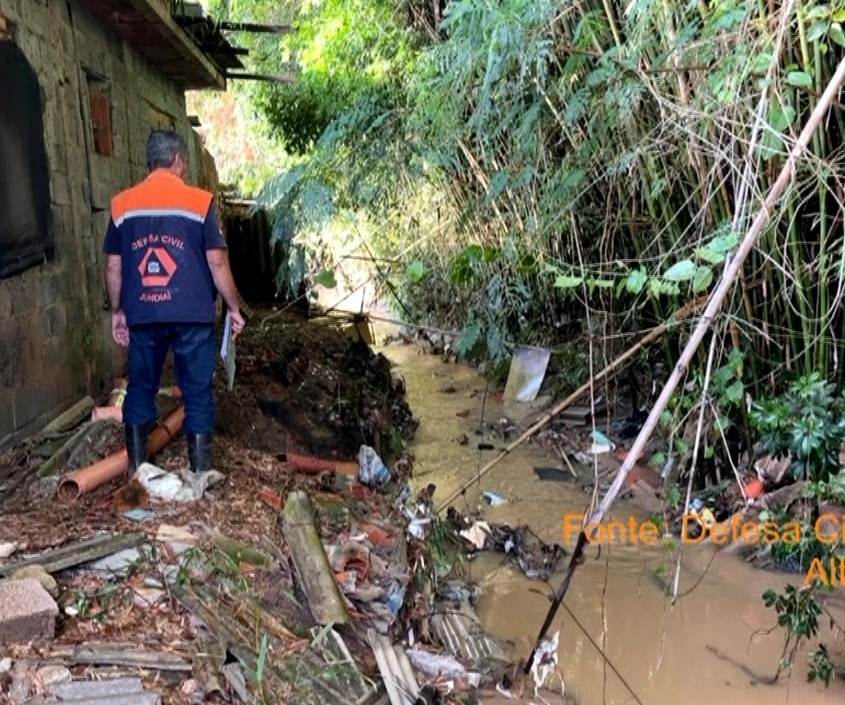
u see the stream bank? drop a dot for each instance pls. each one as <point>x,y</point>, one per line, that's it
<point>716,643</point>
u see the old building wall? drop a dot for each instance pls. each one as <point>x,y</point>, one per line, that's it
<point>100,99</point>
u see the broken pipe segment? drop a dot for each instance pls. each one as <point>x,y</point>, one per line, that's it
<point>73,486</point>
<point>314,466</point>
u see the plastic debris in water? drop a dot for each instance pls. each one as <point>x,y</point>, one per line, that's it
<point>545,663</point>
<point>601,443</point>
<point>494,499</point>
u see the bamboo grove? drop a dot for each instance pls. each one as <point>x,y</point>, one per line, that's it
<point>529,162</point>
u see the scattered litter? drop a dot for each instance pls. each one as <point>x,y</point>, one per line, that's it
<point>773,470</point>
<point>554,474</point>
<point>167,532</point>
<point>601,443</point>
<point>630,426</point>
<point>477,534</point>
<point>493,499</point>
<point>527,371</point>
<point>545,663</point>
<point>419,520</point>
<point>536,559</point>
<point>271,499</point>
<point>168,486</point>
<point>7,549</point>
<point>120,562</point>
<point>371,470</point>
<point>138,514</point>
<point>395,668</point>
<point>457,627</point>
<point>442,666</point>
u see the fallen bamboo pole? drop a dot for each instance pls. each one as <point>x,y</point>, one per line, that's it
<point>69,418</point>
<point>714,305</point>
<point>682,313</point>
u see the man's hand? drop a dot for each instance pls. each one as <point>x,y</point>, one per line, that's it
<point>119,329</point>
<point>237,322</point>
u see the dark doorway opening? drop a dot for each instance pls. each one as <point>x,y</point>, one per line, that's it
<point>26,237</point>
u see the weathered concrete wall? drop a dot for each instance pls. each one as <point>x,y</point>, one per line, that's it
<point>55,341</point>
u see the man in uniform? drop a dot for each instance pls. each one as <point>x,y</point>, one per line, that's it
<point>166,261</point>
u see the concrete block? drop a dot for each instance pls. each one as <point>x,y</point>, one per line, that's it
<point>27,612</point>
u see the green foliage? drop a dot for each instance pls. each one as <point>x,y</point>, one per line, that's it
<point>808,422</point>
<point>821,665</point>
<point>798,613</point>
<point>531,163</point>
<point>797,610</point>
<point>340,52</point>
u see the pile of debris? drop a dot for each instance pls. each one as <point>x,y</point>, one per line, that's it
<point>282,576</point>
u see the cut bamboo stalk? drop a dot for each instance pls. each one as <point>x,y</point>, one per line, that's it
<point>713,307</point>
<point>239,551</point>
<point>55,462</point>
<point>577,394</point>
<point>310,561</point>
<point>105,655</point>
<point>69,418</point>
<point>77,553</point>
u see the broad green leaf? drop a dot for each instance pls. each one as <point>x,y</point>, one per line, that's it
<point>326,278</point>
<point>681,445</point>
<point>415,272</point>
<point>799,79</point>
<point>564,281</point>
<point>724,243</point>
<point>762,61</point>
<point>838,16</point>
<point>680,271</point>
<point>600,283</point>
<point>710,255</point>
<point>781,116</point>
<point>636,281</point>
<point>703,279</point>
<point>836,34</point>
<point>816,31</point>
<point>657,460</point>
<point>735,392</point>
<point>469,337</point>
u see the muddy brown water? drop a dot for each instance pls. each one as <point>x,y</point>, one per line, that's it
<point>713,645</point>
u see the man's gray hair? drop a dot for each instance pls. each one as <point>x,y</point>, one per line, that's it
<point>162,148</point>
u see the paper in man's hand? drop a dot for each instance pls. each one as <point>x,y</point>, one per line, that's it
<point>227,352</point>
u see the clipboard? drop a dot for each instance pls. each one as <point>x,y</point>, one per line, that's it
<point>227,353</point>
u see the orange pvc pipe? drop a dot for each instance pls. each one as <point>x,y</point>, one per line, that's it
<point>78,483</point>
<point>313,466</point>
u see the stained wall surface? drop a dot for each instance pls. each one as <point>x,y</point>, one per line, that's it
<point>99,100</point>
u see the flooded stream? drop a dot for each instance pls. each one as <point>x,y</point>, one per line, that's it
<point>711,646</point>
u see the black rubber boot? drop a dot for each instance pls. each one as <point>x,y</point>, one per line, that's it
<point>199,451</point>
<point>136,446</point>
